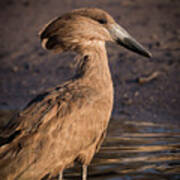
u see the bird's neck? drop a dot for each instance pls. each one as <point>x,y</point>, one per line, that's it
<point>93,67</point>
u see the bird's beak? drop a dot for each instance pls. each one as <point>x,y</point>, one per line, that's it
<point>122,37</point>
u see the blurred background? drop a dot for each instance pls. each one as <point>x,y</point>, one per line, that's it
<point>147,91</point>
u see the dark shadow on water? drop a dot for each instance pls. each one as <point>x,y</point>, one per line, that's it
<point>133,151</point>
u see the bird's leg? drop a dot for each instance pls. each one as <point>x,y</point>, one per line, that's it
<point>60,176</point>
<point>84,169</point>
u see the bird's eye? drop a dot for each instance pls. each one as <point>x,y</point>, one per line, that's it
<point>102,21</point>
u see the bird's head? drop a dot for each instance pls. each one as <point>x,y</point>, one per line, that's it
<point>86,27</point>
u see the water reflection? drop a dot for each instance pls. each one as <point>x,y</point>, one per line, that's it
<point>133,151</point>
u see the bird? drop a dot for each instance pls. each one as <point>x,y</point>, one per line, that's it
<point>68,123</point>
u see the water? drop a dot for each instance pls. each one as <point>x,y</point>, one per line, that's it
<point>133,151</point>
<point>136,151</point>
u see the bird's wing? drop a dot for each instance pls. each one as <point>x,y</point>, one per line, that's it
<point>29,118</point>
<point>64,101</point>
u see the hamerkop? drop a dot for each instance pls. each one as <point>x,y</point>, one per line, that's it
<point>68,123</point>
